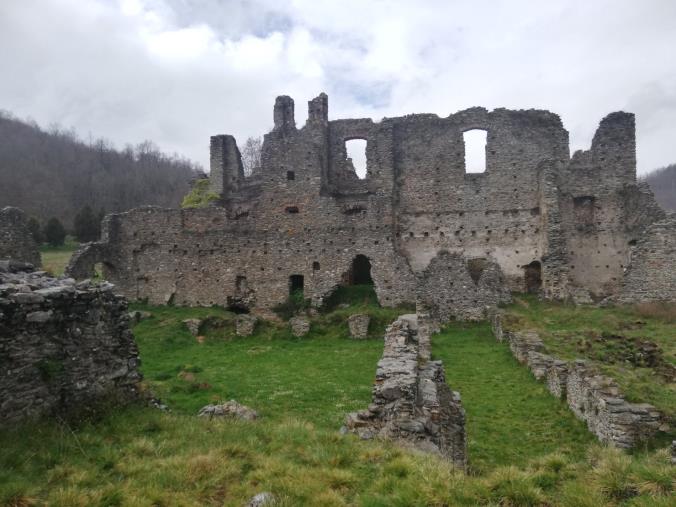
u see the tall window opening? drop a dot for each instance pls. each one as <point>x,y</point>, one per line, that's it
<point>296,284</point>
<point>356,156</point>
<point>475,151</point>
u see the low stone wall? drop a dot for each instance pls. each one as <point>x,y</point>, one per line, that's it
<point>16,241</point>
<point>411,401</point>
<point>63,346</point>
<point>593,398</point>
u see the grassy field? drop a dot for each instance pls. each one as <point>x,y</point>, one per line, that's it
<point>525,448</point>
<point>634,345</point>
<point>55,258</point>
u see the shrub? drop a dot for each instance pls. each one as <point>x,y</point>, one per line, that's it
<point>55,234</point>
<point>295,304</point>
<point>87,225</point>
<point>36,230</point>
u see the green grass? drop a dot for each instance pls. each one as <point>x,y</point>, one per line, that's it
<point>587,332</point>
<point>55,258</point>
<point>511,418</point>
<point>525,447</point>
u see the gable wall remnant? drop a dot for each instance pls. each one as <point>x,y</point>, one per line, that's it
<point>551,223</point>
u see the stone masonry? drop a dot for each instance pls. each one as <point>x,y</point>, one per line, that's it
<point>64,346</point>
<point>555,225</point>
<point>16,241</point>
<point>411,401</point>
<point>593,398</point>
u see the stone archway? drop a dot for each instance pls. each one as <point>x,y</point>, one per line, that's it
<point>359,272</point>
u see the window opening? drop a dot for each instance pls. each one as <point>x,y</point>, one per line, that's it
<point>356,156</point>
<point>475,151</point>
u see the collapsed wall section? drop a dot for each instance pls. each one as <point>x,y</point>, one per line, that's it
<point>64,347</point>
<point>16,240</point>
<point>411,401</point>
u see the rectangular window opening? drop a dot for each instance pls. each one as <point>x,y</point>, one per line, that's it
<point>475,151</point>
<point>355,150</point>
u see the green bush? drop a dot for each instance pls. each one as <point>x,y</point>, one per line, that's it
<point>200,196</point>
<point>295,304</point>
<point>55,234</point>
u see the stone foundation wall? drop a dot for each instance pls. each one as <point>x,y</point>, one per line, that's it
<point>593,398</point>
<point>64,347</point>
<point>16,241</point>
<point>411,401</point>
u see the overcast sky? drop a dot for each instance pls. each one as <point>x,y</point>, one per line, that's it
<point>178,71</point>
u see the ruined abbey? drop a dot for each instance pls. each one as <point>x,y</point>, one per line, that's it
<point>418,225</point>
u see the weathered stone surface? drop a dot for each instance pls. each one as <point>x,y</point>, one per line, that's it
<point>62,349</point>
<point>592,397</point>
<point>245,324</point>
<point>229,409</point>
<point>551,223</point>
<point>411,401</point>
<point>16,241</point>
<point>359,325</point>
<point>137,316</point>
<point>264,499</point>
<point>193,325</point>
<point>300,325</point>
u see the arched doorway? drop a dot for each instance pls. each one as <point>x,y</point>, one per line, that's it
<point>359,272</point>
<point>533,277</point>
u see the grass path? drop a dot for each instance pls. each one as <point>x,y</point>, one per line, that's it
<point>511,418</point>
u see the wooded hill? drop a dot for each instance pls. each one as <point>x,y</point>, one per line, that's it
<point>663,184</point>
<point>53,173</point>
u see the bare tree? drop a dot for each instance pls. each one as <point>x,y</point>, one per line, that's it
<point>251,155</point>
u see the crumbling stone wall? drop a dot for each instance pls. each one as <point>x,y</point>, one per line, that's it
<point>651,275</point>
<point>16,241</point>
<point>592,397</point>
<point>555,226</point>
<point>411,401</point>
<point>64,346</point>
<point>455,288</point>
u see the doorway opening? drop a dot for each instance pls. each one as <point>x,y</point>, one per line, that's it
<point>533,277</point>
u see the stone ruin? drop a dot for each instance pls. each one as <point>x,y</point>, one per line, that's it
<point>412,402</point>
<point>592,397</point>
<point>16,240</point>
<point>65,347</point>
<point>543,221</point>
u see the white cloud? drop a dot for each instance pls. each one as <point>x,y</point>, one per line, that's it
<point>178,71</point>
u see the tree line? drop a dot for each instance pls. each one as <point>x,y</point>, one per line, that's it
<point>663,184</point>
<point>52,173</point>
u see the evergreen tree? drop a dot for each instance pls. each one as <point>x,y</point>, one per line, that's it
<point>36,230</point>
<point>55,234</point>
<point>87,225</point>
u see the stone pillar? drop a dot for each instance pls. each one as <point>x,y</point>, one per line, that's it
<point>283,113</point>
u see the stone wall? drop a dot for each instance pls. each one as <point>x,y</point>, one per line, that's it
<point>411,401</point>
<point>455,288</point>
<point>64,346</point>
<point>651,274</point>
<point>16,241</point>
<point>593,398</point>
<point>554,225</point>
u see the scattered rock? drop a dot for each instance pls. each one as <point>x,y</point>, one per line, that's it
<point>359,325</point>
<point>245,324</point>
<point>264,499</point>
<point>137,316</point>
<point>300,326</point>
<point>193,326</point>
<point>229,409</point>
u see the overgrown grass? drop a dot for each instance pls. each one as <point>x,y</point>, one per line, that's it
<point>511,418</point>
<point>144,457</point>
<point>55,258</point>
<point>525,447</point>
<point>616,339</point>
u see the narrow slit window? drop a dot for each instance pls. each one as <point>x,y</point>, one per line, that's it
<point>290,175</point>
<point>356,156</point>
<point>475,151</point>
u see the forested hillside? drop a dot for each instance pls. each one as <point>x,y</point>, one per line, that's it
<point>663,184</point>
<point>53,173</point>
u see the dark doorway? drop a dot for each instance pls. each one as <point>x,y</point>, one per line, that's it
<point>296,284</point>
<point>533,277</point>
<point>360,271</point>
